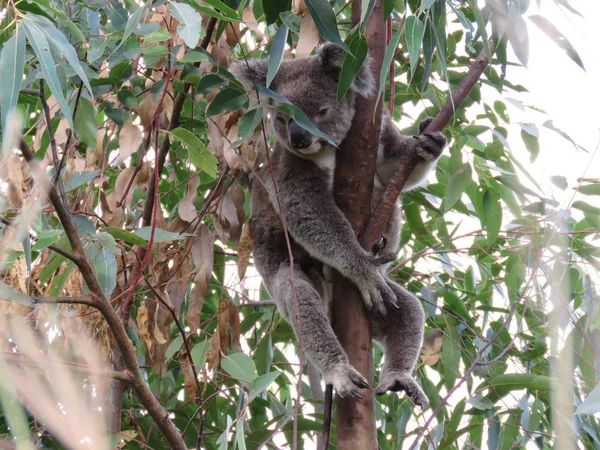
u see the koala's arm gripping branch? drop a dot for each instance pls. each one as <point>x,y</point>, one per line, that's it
<point>410,158</point>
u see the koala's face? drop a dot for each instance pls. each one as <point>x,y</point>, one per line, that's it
<point>311,85</point>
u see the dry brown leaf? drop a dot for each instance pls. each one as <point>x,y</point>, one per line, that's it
<point>231,214</point>
<point>252,24</point>
<point>61,132</point>
<point>223,321</point>
<point>130,138</point>
<point>222,52</point>
<point>232,33</point>
<point>180,275</point>
<point>186,209</point>
<point>245,248</point>
<point>235,328</point>
<point>143,326</point>
<point>189,382</point>
<point>202,255</point>
<point>432,344</point>
<point>111,213</point>
<point>213,356</point>
<point>308,38</point>
<point>122,183</point>
<point>299,6</point>
<point>146,109</point>
<point>195,304</point>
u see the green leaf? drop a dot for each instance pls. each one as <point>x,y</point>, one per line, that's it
<point>199,155</point>
<point>500,385</point>
<point>451,356</point>
<point>46,238</point>
<point>240,366</point>
<point>457,184</point>
<point>481,27</point>
<point>414,30</point>
<point>248,122</point>
<point>560,182</point>
<point>352,63</point>
<point>126,236</point>
<point>41,49</point>
<point>12,67</point>
<point>273,8</point>
<point>261,383</point>
<point>295,113</point>
<point>302,119</point>
<point>199,352</point>
<point>276,56</point>
<point>192,21</point>
<point>557,37</point>
<point>193,57</point>
<point>591,404</point>
<point>107,241</point>
<point>226,100</point>
<point>160,235</point>
<point>132,23</point>
<point>174,347</point>
<point>10,294</point>
<point>105,266</point>
<point>589,189</point>
<point>492,215</point>
<point>62,45</point>
<point>324,17</point>
<point>531,143</point>
<point>390,51</point>
<point>225,10</point>
<point>86,126</point>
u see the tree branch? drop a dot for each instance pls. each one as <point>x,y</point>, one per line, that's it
<point>410,158</point>
<point>99,301</point>
<point>353,187</point>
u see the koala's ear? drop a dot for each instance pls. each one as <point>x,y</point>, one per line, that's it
<point>254,71</point>
<point>332,56</point>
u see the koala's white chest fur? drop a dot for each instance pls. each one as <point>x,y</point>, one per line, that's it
<point>325,159</point>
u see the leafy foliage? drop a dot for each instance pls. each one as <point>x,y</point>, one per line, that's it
<point>140,101</point>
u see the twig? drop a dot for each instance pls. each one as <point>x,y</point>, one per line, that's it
<point>57,179</point>
<point>328,406</point>
<point>410,158</point>
<point>99,301</point>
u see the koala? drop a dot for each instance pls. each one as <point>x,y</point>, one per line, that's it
<point>299,185</point>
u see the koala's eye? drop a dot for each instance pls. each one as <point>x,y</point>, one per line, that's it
<point>323,110</point>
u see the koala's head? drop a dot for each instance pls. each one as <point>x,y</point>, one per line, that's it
<point>310,84</point>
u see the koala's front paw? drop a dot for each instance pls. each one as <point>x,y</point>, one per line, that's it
<point>401,381</point>
<point>377,294</point>
<point>430,145</point>
<point>346,380</point>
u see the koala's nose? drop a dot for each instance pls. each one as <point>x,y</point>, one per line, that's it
<point>299,137</point>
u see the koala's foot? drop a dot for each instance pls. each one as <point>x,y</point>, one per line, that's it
<point>346,380</point>
<point>401,381</point>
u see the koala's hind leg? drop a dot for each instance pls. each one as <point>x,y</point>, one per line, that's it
<point>318,339</point>
<point>401,334</point>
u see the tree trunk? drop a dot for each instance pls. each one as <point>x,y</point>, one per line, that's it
<point>355,169</point>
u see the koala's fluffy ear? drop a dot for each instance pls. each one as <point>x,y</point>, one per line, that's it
<point>332,56</point>
<point>255,71</point>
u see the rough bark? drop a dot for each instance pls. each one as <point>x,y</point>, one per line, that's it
<point>355,169</point>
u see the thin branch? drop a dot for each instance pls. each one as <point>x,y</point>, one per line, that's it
<point>57,179</point>
<point>124,344</point>
<point>410,158</point>
<point>80,300</point>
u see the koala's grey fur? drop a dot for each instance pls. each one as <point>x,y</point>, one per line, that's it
<point>320,236</point>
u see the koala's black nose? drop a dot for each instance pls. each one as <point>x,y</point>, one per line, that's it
<point>299,137</point>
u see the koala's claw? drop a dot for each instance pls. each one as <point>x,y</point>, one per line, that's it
<point>424,124</point>
<point>383,259</point>
<point>401,381</point>
<point>345,380</point>
<point>379,245</point>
